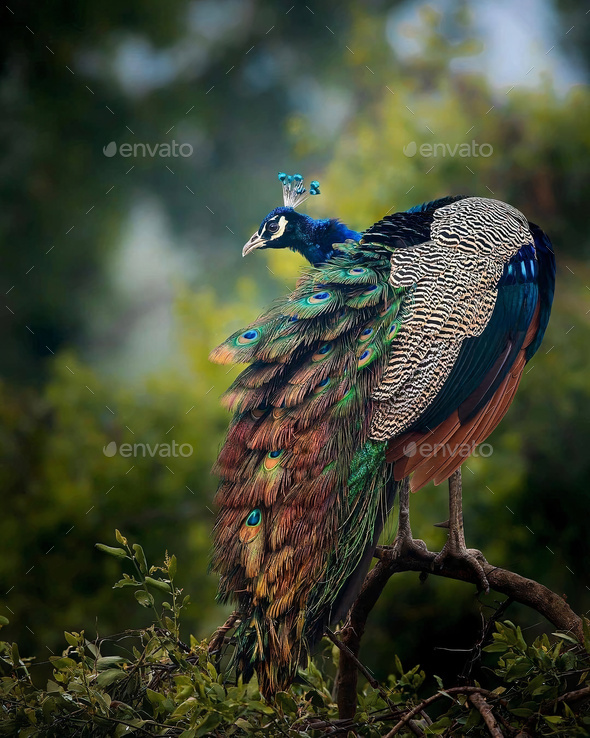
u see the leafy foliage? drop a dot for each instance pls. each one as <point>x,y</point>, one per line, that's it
<point>340,109</point>
<point>156,685</point>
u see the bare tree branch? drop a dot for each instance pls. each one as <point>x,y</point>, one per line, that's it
<point>415,558</point>
<point>578,694</point>
<point>486,712</point>
<point>218,638</point>
<point>526,591</point>
<point>349,654</point>
<point>486,636</point>
<point>439,695</point>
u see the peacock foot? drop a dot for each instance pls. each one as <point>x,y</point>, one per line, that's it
<point>456,552</point>
<point>404,543</point>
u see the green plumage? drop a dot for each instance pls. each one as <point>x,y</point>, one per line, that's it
<point>298,451</point>
<point>380,343</point>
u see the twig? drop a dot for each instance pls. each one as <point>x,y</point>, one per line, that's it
<point>486,635</point>
<point>218,637</point>
<point>346,652</point>
<point>427,702</point>
<point>486,712</point>
<point>363,669</point>
<point>578,694</point>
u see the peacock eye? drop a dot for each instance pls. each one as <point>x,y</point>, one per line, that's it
<point>272,227</point>
<point>254,518</point>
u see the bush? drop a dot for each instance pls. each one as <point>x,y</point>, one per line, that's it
<point>148,682</point>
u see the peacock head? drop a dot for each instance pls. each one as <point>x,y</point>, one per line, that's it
<point>283,227</point>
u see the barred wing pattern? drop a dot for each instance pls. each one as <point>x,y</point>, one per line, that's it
<point>452,281</point>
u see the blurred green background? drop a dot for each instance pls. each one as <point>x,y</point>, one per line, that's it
<point>120,273</point>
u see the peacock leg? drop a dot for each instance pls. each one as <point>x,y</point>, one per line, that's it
<point>455,548</point>
<point>404,540</point>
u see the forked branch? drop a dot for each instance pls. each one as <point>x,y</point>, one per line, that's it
<point>414,558</point>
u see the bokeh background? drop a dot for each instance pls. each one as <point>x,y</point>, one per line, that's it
<point>120,273</point>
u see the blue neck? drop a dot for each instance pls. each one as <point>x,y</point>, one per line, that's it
<point>319,243</point>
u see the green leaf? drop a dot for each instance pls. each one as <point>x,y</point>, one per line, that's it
<point>566,637</point>
<point>314,697</point>
<point>118,553</point>
<point>586,631</point>
<point>168,623</point>
<point>71,639</point>
<point>48,707</point>
<point>210,722</point>
<point>120,537</point>
<point>189,733</point>
<point>518,670</point>
<point>172,567</point>
<point>15,654</point>
<point>154,697</point>
<point>522,712</point>
<point>144,598</point>
<point>140,558</point>
<point>473,720</point>
<point>123,730</point>
<point>3,621</point>
<point>110,676</point>
<point>266,709</point>
<point>126,582</point>
<point>185,707</point>
<point>497,646</point>
<point>554,719</point>
<point>107,662</point>
<point>439,726</point>
<point>157,584</point>
<point>92,648</point>
<point>286,703</point>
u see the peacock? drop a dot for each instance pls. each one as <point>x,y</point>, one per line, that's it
<point>398,347</point>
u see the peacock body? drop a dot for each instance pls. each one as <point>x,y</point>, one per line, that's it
<point>416,330</point>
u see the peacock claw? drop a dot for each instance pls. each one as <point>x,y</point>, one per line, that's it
<point>455,551</point>
<point>404,544</point>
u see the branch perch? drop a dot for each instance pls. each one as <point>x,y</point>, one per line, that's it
<point>414,558</point>
<point>486,713</point>
<point>218,638</point>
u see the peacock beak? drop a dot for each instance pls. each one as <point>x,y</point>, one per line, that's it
<point>254,243</point>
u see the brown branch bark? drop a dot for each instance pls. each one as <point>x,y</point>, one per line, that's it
<point>578,694</point>
<point>414,558</point>
<point>486,713</point>
<point>439,695</point>
<point>344,650</point>
<point>218,638</point>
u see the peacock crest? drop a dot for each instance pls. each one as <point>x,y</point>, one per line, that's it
<point>294,193</point>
